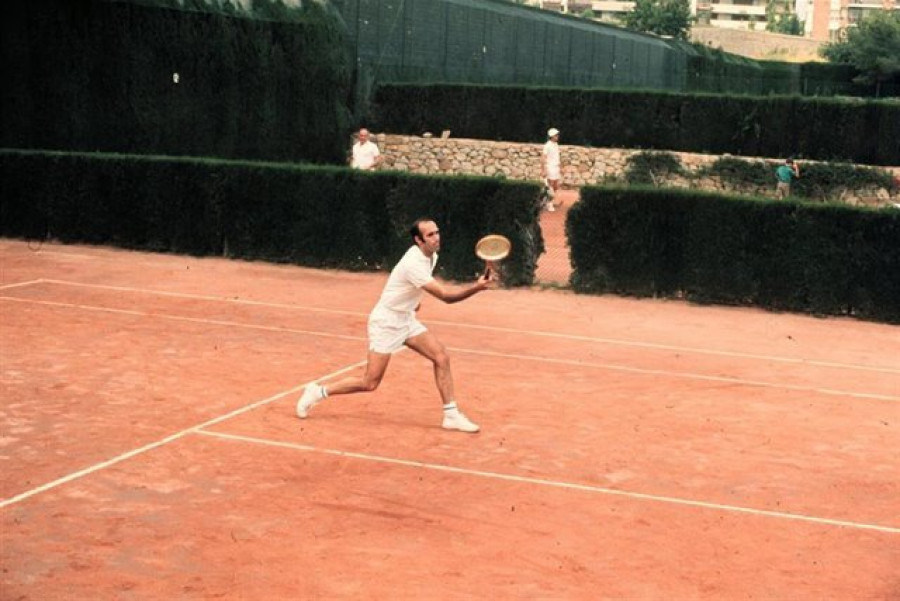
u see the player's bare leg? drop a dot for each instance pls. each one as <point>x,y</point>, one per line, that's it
<point>427,345</point>
<point>313,394</point>
<point>554,184</point>
<point>376,366</point>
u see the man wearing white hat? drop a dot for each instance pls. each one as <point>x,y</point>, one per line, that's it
<point>550,167</point>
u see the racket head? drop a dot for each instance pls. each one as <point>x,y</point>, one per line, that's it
<point>493,247</point>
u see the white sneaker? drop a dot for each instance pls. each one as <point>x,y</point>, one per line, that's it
<point>309,399</point>
<point>458,421</point>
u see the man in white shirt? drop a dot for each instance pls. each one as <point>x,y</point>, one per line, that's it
<point>393,324</point>
<point>364,154</point>
<point>550,171</point>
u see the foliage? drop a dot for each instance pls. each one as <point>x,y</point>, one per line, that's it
<point>282,212</point>
<point>873,47</point>
<point>662,17</point>
<point>821,129</point>
<point>826,181</point>
<point>645,167</point>
<point>179,78</point>
<point>839,53</point>
<point>739,172</point>
<point>780,18</point>
<point>712,248</point>
<point>271,10</point>
<point>818,181</point>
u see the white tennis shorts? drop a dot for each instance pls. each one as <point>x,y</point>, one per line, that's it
<point>389,330</point>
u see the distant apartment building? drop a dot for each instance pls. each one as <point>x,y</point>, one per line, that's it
<point>733,14</point>
<point>826,20</point>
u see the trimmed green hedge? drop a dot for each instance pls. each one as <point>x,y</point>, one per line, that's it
<point>283,212</point>
<point>821,259</point>
<point>865,132</point>
<point>94,75</point>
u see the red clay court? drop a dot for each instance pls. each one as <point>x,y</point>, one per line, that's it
<point>630,449</point>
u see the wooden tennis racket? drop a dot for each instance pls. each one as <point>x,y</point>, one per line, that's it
<point>492,249</point>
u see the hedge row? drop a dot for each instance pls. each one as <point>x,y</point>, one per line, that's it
<point>712,70</point>
<point>93,75</point>
<point>308,215</point>
<point>824,182</point>
<point>821,259</point>
<point>865,132</point>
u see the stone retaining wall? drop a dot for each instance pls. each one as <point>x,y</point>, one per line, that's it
<point>580,165</point>
<point>760,45</point>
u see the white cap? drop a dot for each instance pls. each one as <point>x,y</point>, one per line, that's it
<point>552,132</point>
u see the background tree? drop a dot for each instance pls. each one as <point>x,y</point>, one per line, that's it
<point>873,47</point>
<point>780,18</point>
<point>662,17</point>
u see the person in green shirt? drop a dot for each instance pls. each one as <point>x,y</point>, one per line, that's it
<point>785,174</point>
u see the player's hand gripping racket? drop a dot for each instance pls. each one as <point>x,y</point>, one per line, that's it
<point>492,249</point>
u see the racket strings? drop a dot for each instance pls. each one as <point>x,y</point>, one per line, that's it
<point>493,247</point>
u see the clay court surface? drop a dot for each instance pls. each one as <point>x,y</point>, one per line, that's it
<point>630,449</point>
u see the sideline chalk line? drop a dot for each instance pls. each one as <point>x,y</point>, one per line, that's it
<point>539,333</point>
<point>586,364</point>
<point>200,320</point>
<point>21,284</point>
<point>680,374</point>
<point>164,441</point>
<point>555,483</point>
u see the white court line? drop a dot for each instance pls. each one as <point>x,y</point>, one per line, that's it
<point>607,366</point>
<point>42,251</point>
<point>164,441</point>
<point>680,374</point>
<point>21,284</point>
<point>201,320</point>
<point>539,333</point>
<point>557,483</point>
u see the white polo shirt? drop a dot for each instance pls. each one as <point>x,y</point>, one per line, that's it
<point>551,159</point>
<point>364,155</point>
<point>403,290</point>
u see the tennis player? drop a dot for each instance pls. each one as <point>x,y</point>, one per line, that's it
<point>393,324</point>
<point>550,171</point>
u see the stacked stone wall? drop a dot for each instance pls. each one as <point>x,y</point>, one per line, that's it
<point>580,165</point>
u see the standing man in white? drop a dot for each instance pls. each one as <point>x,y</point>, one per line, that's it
<point>364,153</point>
<point>393,324</point>
<point>550,171</point>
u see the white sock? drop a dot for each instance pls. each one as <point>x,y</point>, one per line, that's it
<point>323,392</point>
<point>450,408</point>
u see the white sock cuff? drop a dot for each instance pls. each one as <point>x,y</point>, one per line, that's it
<point>451,406</point>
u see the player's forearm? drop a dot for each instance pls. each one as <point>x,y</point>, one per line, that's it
<point>463,293</point>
